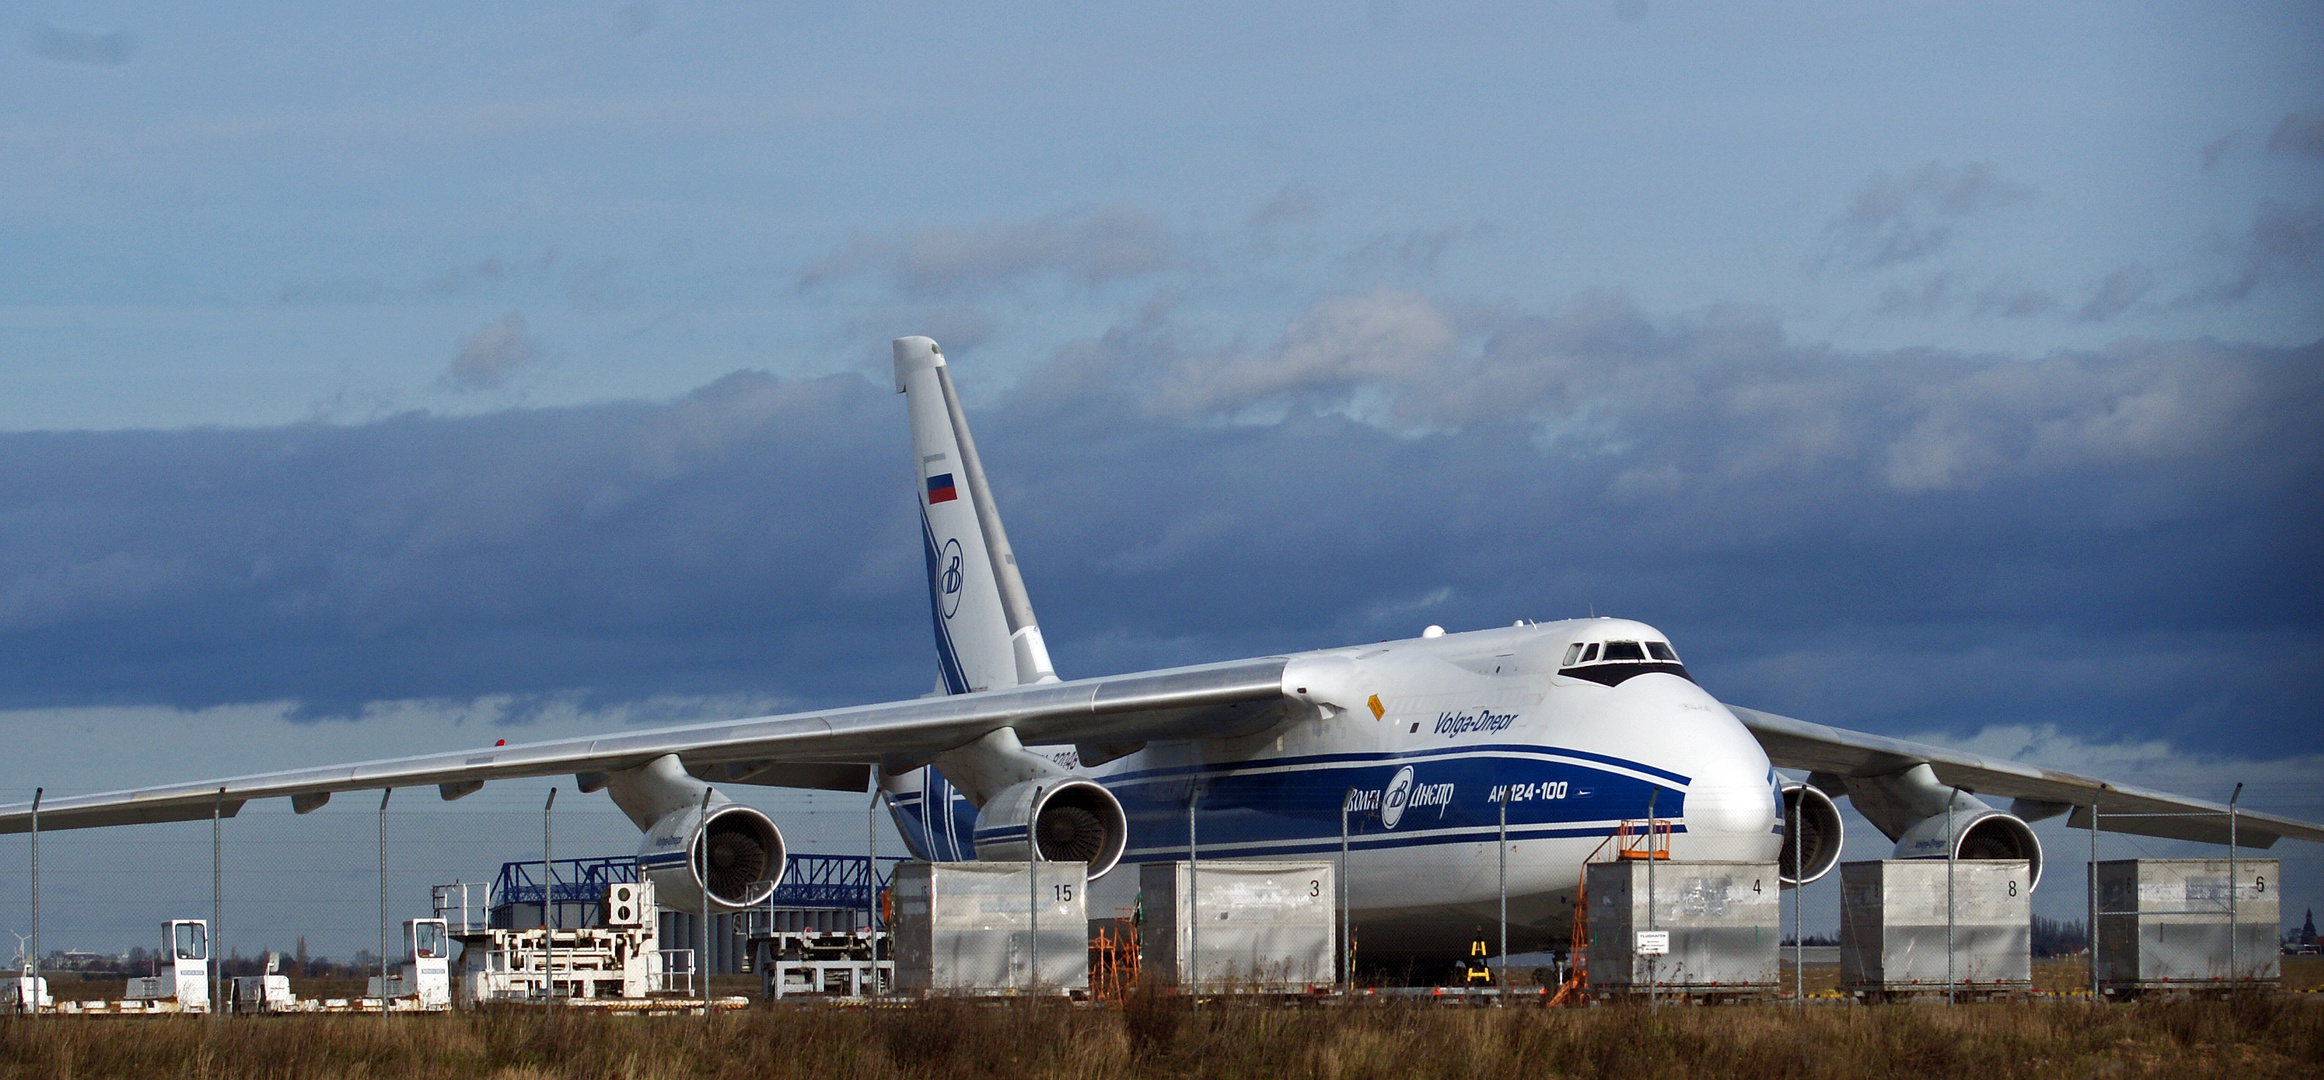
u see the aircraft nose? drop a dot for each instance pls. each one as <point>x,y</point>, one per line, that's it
<point>1728,817</point>
<point>1728,812</point>
<point>1730,809</point>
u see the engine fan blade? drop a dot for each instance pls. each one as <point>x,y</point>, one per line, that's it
<point>736,861</point>
<point>1070,834</point>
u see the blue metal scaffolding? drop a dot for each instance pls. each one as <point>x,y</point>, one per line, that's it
<point>836,882</point>
<point>829,881</point>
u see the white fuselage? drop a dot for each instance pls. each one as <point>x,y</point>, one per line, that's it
<point>1459,719</point>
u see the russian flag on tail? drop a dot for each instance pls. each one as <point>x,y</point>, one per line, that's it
<point>940,489</point>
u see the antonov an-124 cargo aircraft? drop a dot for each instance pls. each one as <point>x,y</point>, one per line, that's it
<point>1580,725</point>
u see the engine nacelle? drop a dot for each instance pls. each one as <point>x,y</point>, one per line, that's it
<point>738,853</point>
<point>1821,834</point>
<point>1977,833</point>
<point>1075,820</point>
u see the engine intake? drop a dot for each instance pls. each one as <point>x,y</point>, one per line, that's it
<point>1821,834</point>
<point>1978,833</point>
<point>738,854</point>
<point>1074,820</point>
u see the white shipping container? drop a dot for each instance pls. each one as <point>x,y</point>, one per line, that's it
<point>1263,926</point>
<point>2165,923</point>
<point>1720,923</point>
<point>970,927</point>
<point>1893,926</point>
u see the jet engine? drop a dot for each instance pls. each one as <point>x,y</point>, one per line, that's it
<point>1921,813</point>
<point>737,855</point>
<point>696,839</point>
<point>1977,833</point>
<point>1073,820</point>
<point>1820,834</point>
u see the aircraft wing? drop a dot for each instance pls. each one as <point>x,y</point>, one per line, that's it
<point>1798,744</point>
<point>829,749</point>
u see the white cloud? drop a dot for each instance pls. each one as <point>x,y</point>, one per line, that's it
<point>1726,390</point>
<point>490,357</point>
<point>1084,247</point>
<point>1387,336</point>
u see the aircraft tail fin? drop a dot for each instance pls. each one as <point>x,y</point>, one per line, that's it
<point>986,636</point>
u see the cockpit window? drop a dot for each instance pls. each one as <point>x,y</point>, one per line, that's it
<point>1624,650</point>
<point>1613,663</point>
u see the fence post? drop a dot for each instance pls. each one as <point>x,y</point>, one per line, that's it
<point>1952,845</point>
<point>548,908</point>
<point>1799,921</point>
<point>2234,932</point>
<point>702,837</point>
<point>383,796</point>
<point>1193,959</point>
<point>1501,1000</point>
<point>36,794</point>
<point>1033,898</point>
<point>1347,896</point>
<point>217,902</point>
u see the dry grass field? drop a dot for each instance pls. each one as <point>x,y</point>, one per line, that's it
<point>2279,1036</point>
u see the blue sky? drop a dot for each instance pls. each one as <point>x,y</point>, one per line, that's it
<point>388,376</point>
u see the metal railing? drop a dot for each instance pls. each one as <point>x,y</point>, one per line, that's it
<point>465,906</point>
<point>1648,839</point>
<point>676,977</point>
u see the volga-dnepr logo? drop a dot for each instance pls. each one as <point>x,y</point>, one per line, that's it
<point>1392,803</point>
<point>1454,724</point>
<point>948,576</point>
<point>1404,792</point>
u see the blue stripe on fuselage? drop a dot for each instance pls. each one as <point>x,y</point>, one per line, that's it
<point>1264,806</point>
<point>1278,763</point>
<point>1288,806</point>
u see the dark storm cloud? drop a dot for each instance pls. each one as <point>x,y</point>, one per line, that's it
<point>106,49</point>
<point>1416,250</point>
<point>634,20</point>
<point>1083,247</point>
<point>2013,301</point>
<point>960,327</point>
<point>2116,293</point>
<point>1928,298</point>
<point>2217,149</point>
<point>731,539</point>
<point>2114,542</point>
<point>1895,219</point>
<point>2284,245</point>
<point>1294,203</point>
<point>2093,529</point>
<point>2298,133</point>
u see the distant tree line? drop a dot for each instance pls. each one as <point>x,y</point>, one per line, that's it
<point>144,961</point>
